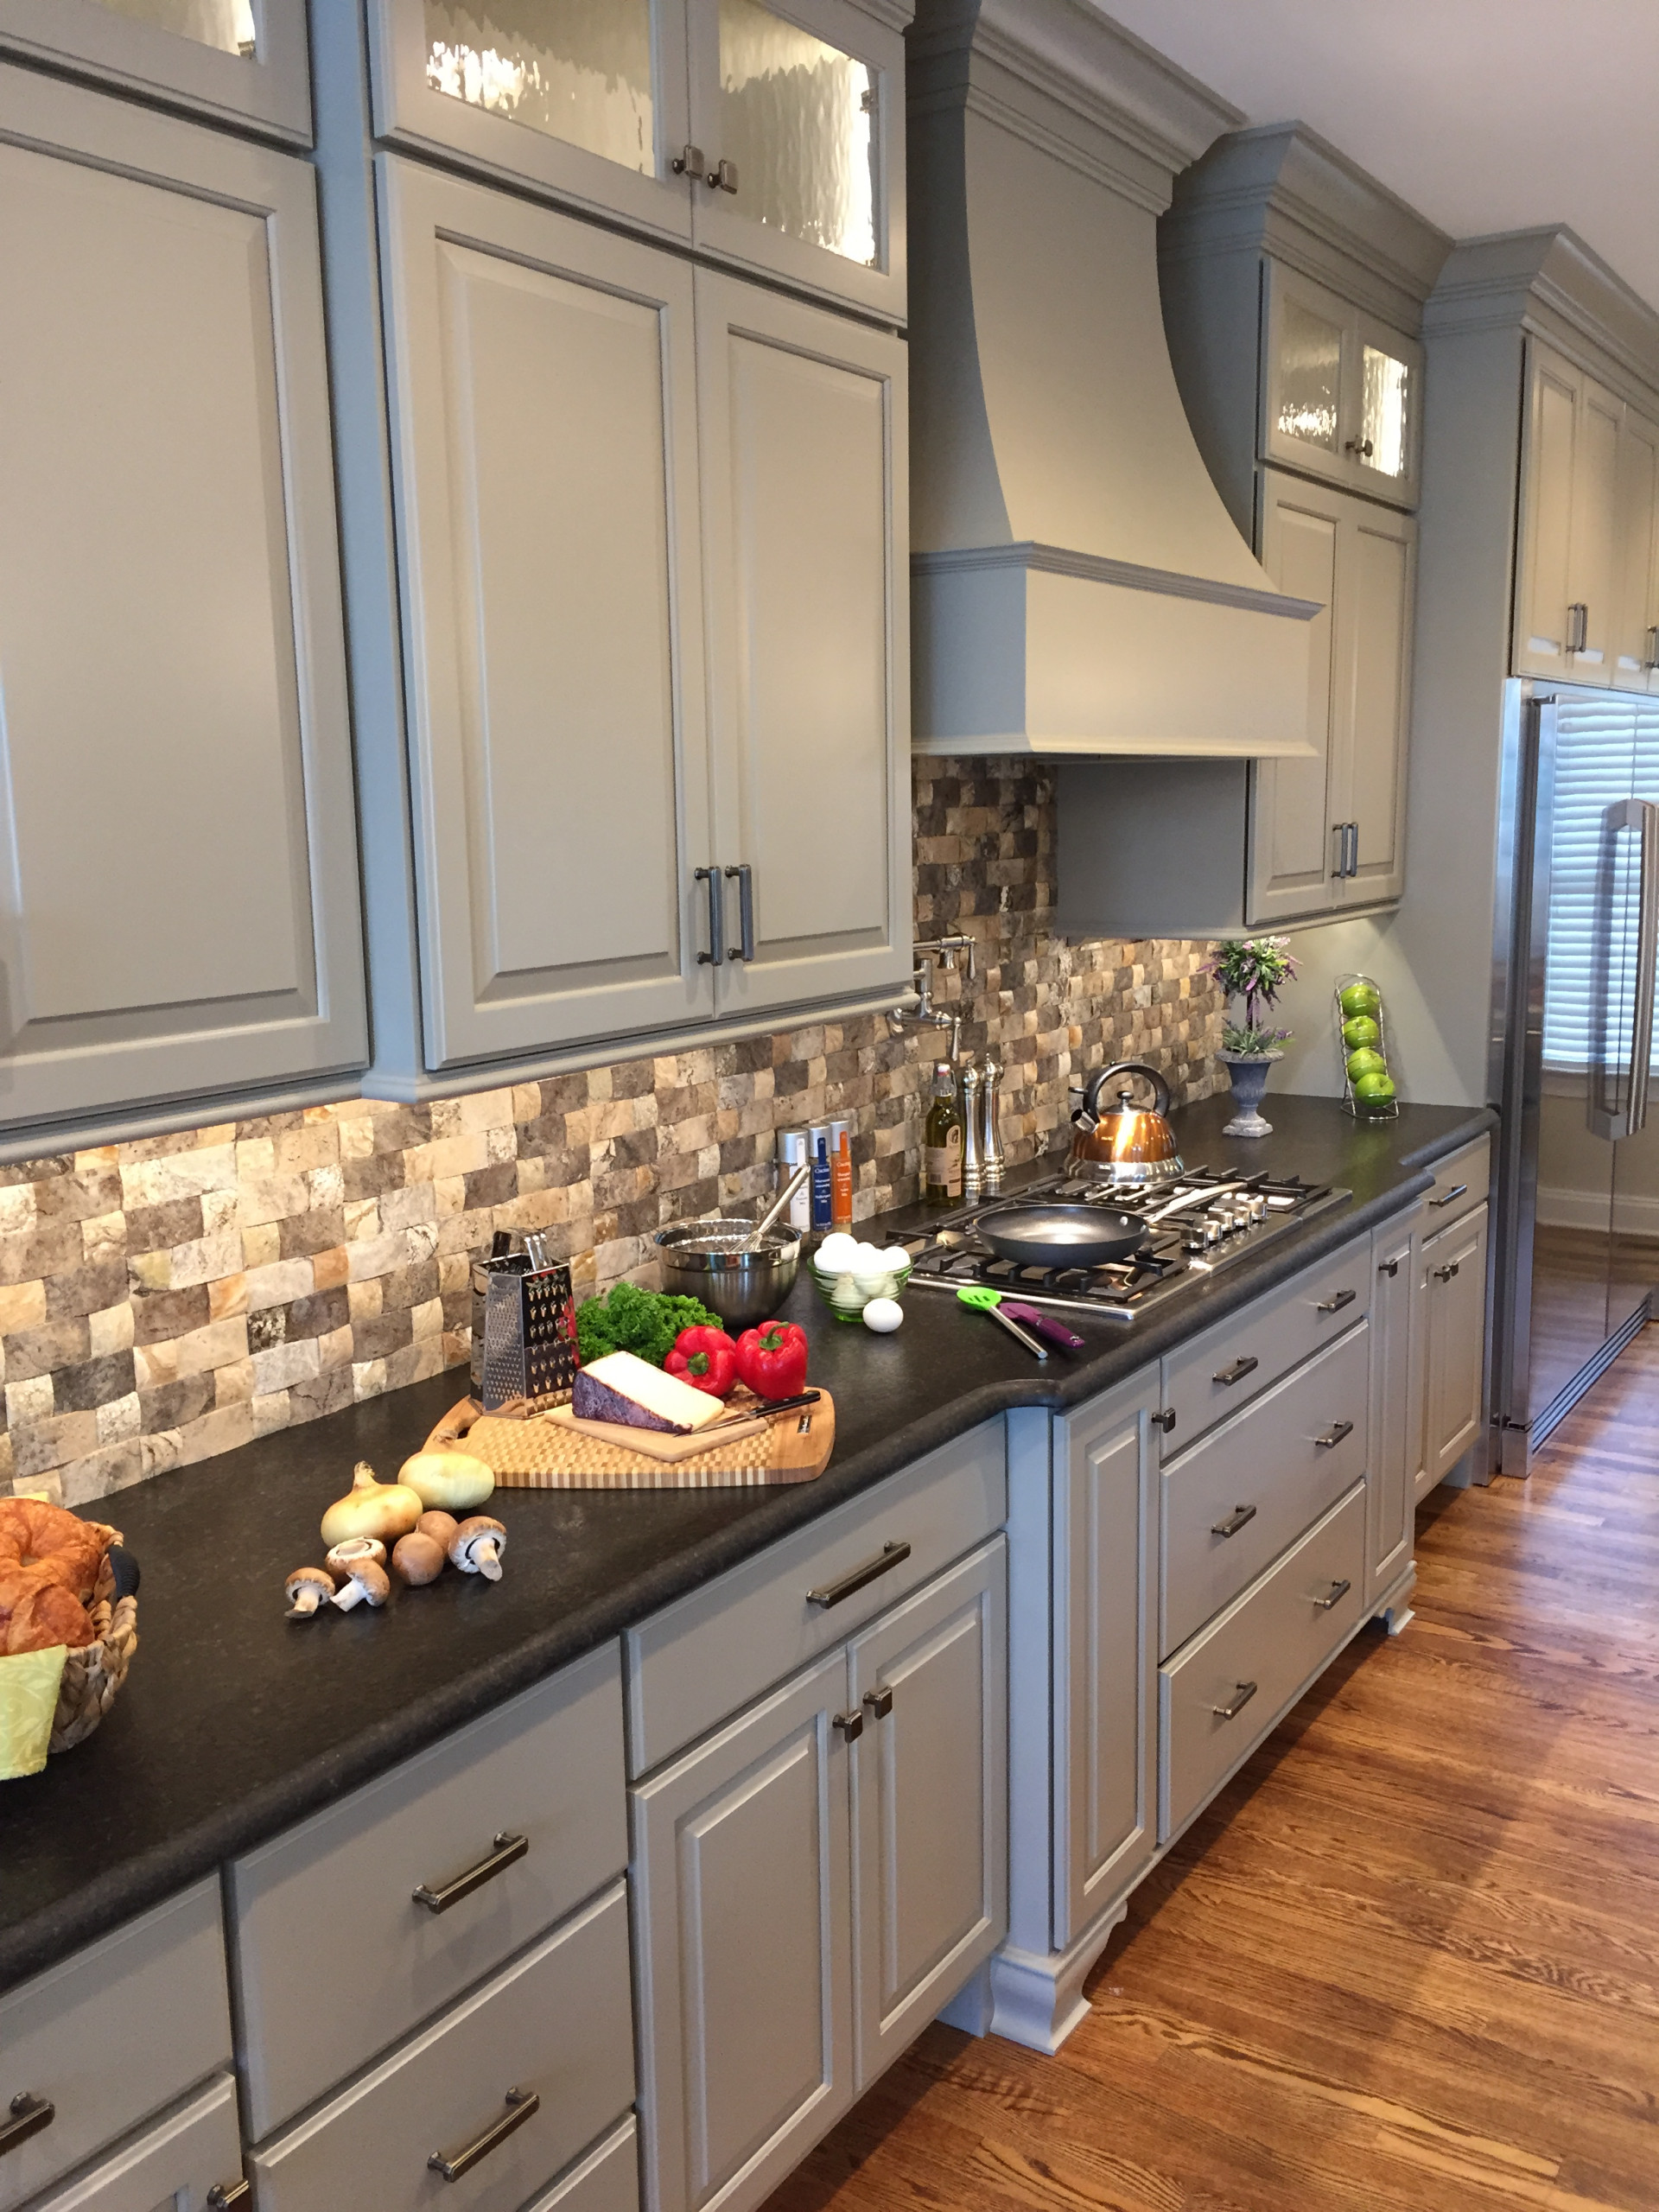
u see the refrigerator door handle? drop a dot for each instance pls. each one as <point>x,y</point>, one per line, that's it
<point>1619,1096</point>
<point>1646,964</point>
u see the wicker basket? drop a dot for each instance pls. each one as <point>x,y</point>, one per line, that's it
<point>93,1674</point>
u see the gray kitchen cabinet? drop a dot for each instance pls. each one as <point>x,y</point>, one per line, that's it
<point>770,137</point>
<point>1636,639</point>
<point>1566,592</point>
<point>930,1802</point>
<point>180,920</point>
<point>1341,392</point>
<point>188,2162</point>
<point>1397,1349</point>
<point>802,417</point>
<point>231,61</point>
<point>1452,1284</point>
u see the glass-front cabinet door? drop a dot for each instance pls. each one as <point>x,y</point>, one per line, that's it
<point>238,61</point>
<point>798,110</point>
<point>1342,392</point>
<point>584,98</point>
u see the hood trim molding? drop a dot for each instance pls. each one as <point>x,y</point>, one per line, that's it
<point>1099,569</point>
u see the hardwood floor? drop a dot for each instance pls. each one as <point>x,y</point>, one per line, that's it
<point>1410,1959</point>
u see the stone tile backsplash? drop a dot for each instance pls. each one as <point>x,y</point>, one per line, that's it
<point>168,1299</point>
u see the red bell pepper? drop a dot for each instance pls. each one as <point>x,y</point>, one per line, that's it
<point>706,1359</point>
<point>771,1359</point>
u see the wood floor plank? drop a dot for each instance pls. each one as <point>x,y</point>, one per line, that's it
<point>1408,1961</point>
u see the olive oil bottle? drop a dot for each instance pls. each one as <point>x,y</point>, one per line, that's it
<point>942,1142</point>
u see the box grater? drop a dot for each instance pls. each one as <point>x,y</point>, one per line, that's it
<point>525,1353</point>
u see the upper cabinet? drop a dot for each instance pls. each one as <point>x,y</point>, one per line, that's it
<point>234,61</point>
<point>1585,582</point>
<point>768,136</point>
<point>651,533</point>
<point>179,919</point>
<point>1341,392</point>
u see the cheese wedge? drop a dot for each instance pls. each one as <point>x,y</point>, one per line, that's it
<point>623,1388</point>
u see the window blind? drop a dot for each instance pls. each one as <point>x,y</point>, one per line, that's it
<point>1606,749</point>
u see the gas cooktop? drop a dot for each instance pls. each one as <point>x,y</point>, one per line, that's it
<point>1202,1221</point>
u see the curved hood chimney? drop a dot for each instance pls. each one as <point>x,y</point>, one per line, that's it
<point>1077,586</point>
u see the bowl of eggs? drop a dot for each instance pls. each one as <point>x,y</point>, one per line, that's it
<point>852,1276</point>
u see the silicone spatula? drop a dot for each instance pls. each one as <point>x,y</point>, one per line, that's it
<point>984,1299</point>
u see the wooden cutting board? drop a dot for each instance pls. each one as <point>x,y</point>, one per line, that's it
<point>553,1451</point>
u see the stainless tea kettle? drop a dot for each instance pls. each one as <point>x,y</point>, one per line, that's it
<point>1125,1143</point>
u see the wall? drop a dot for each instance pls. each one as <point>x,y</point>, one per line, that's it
<point>168,1299</point>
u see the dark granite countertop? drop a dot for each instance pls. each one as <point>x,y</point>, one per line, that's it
<point>234,1723</point>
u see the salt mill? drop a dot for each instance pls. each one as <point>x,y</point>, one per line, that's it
<point>971,1133</point>
<point>990,1141</point>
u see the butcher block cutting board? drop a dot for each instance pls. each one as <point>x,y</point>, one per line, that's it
<point>553,1451</point>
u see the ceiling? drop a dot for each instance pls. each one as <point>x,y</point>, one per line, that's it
<point>1484,115</point>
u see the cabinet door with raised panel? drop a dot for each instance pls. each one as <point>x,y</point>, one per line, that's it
<point>1452,1276</point>
<point>1376,593</point>
<point>544,406</point>
<point>798,107</point>
<point>186,2163</point>
<point>802,419</point>
<point>930,1801</point>
<point>1397,1407</point>
<point>1293,849</point>
<point>179,900</point>
<point>235,62</point>
<point>1105,1656</point>
<point>1594,588</point>
<point>743,1947</point>
<point>1569,600</point>
<point>1636,643</point>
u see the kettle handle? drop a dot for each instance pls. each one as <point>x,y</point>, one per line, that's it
<point>1098,1082</point>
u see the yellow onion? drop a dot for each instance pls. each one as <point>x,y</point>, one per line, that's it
<point>371,1508</point>
<point>450,1481</point>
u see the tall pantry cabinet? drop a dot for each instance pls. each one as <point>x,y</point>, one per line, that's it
<point>179,920</point>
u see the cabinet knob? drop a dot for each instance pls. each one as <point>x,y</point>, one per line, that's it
<point>877,1702</point>
<point>687,162</point>
<point>1388,1267</point>
<point>851,1725</point>
<point>1363,446</point>
<point>722,178</point>
<point>1445,1274</point>
<point>1166,1419</point>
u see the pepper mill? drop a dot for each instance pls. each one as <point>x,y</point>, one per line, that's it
<point>972,1156</point>
<point>991,1142</point>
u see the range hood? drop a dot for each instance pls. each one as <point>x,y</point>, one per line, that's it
<point>1077,586</point>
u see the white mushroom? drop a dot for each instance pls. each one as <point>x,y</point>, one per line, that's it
<point>308,1589</point>
<point>477,1546</point>
<point>366,1579</point>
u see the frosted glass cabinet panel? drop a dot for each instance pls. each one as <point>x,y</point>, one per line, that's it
<point>178,900</point>
<point>1341,394</point>
<point>545,451</point>
<point>235,60</point>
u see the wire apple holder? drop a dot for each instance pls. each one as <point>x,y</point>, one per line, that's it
<point>1363,1047</point>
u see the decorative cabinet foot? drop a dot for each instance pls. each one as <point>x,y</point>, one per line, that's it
<point>1038,1998</point>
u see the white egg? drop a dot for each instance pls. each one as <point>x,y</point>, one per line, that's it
<point>895,1259</point>
<point>846,1294</point>
<point>875,1283</point>
<point>883,1315</point>
<point>837,1255</point>
<point>868,1260</point>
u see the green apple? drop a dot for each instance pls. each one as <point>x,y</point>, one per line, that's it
<point>1362,1030</point>
<point>1360,998</point>
<point>1365,1063</point>
<point>1375,1090</point>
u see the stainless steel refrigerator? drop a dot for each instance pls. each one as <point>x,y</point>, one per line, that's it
<point>1576,1249</point>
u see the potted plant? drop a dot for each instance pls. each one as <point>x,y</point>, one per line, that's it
<point>1254,969</point>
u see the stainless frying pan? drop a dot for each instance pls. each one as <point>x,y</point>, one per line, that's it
<point>1061,1235</point>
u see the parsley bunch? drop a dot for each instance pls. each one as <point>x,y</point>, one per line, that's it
<point>644,1322</point>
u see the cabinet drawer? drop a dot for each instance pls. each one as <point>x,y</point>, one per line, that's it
<point>171,2167</point>
<point>82,2037</point>
<point>557,2025</point>
<point>1240,1357</point>
<point>1255,1659</point>
<point>606,2180</point>
<point>1281,1463</point>
<point>1460,1184</point>
<point>719,1648</point>
<point>547,1766</point>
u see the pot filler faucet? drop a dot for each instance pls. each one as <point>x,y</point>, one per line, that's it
<point>903,1020</point>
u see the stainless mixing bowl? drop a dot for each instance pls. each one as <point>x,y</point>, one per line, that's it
<point>700,1259</point>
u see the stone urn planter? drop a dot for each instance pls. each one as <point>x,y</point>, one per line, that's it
<point>1248,1073</point>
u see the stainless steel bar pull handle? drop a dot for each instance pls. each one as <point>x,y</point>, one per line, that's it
<point>832,1594</point>
<point>1236,1369</point>
<point>29,2115</point>
<point>1240,1517</point>
<point>1446,1198</point>
<point>230,2195</point>
<point>1338,1592</point>
<point>507,1849</point>
<point>1242,1693</point>
<point>1335,1304</point>
<point>1651,659</point>
<point>1647,968</point>
<point>1334,1434</point>
<point>745,875</point>
<point>522,2105</point>
<point>1577,627</point>
<point>715,956</point>
<point>1353,869</point>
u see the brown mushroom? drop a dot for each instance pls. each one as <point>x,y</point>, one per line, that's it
<point>439,1525</point>
<point>308,1590</point>
<point>367,1578</point>
<point>477,1546</point>
<point>345,1556</point>
<point>418,1558</point>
